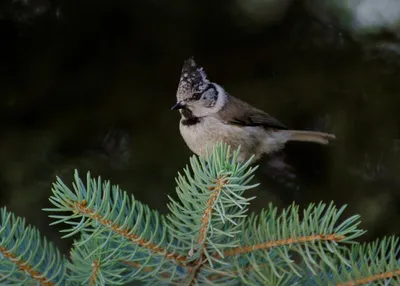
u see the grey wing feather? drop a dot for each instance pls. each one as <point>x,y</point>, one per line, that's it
<point>241,113</point>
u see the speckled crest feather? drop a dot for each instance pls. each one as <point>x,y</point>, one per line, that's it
<point>193,80</point>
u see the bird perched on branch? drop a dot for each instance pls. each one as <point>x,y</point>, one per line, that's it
<point>209,115</point>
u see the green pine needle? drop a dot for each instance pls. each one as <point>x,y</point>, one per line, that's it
<point>207,238</point>
<point>26,257</point>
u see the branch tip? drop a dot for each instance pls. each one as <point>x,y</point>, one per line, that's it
<point>370,279</point>
<point>205,218</point>
<point>81,207</point>
<point>24,266</point>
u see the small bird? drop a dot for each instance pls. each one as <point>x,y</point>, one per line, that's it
<point>210,115</point>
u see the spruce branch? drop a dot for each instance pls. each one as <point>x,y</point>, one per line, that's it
<point>26,257</point>
<point>113,223</point>
<point>211,207</point>
<point>89,267</point>
<point>207,238</point>
<point>313,237</point>
<point>377,262</point>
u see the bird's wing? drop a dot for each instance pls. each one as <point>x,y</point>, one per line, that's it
<point>238,112</point>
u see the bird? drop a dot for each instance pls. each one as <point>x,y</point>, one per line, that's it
<point>209,114</point>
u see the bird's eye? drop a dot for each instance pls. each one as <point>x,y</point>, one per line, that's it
<point>197,95</point>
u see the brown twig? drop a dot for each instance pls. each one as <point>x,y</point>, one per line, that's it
<point>270,244</point>
<point>205,221</point>
<point>82,208</point>
<point>22,265</point>
<point>206,217</point>
<point>96,268</point>
<point>362,281</point>
<point>367,280</point>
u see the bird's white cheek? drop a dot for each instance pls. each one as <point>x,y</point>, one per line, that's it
<point>200,111</point>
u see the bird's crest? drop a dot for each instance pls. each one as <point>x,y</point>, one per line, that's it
<point>193,80</point>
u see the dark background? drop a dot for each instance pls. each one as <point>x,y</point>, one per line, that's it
<point>89,85</point>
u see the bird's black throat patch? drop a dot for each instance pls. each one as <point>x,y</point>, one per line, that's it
<point>188,118</point>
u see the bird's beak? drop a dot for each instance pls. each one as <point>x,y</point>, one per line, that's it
<point>178,105</point>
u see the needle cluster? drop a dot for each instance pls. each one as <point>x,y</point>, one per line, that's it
<point>209,237</point>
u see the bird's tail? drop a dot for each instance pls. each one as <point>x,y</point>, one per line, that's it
<point>311,136</point>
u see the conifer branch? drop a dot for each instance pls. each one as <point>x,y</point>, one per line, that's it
<point>82,208</point>
<point>95,271</point>
<point>208,238</point>
<point>24,266</point>
<point>365,263</point>
<point>211,204</point>
<point>94,263</point>
<point>206,217</point>
<point>105,215</point>
<point>26,257</point>
<point>282,242</point>
<point>266,239</point>
<point>206,221</point>
<point>371,279</point>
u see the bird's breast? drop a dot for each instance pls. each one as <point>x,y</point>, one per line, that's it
<point>198,135</point>
<point>210,130</point>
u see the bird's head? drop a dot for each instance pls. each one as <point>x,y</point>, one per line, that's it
<point>196,93</point>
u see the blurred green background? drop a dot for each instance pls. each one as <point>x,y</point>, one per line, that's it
<point>89,85</point>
